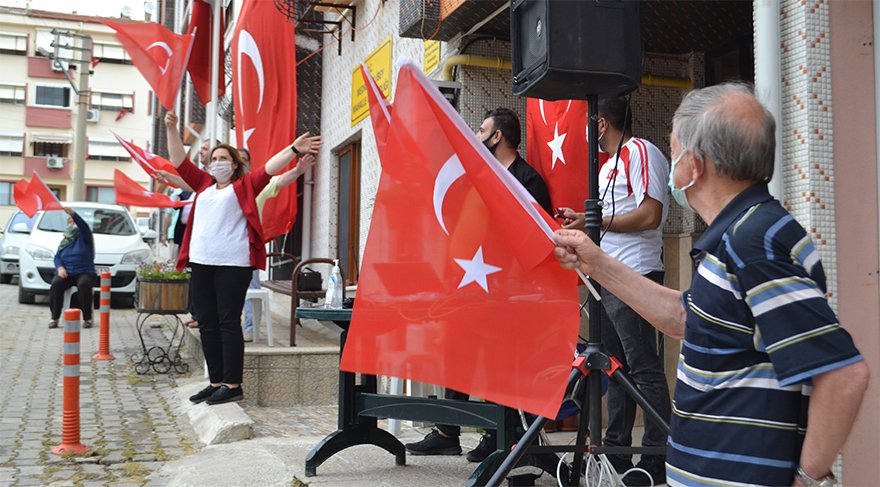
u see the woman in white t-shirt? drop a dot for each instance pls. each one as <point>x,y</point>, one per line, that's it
<point>222,245</point>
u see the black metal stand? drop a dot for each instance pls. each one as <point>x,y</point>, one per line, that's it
<point>593,358</point>
<point>360,406</point>
<point>160,359</point>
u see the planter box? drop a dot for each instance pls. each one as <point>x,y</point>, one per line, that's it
<point>169,296</point>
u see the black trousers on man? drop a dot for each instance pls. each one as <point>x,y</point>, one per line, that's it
<point>218,296</point>
<point>84,283</point>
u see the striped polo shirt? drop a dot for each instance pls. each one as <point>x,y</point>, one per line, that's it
<point>758,329</point>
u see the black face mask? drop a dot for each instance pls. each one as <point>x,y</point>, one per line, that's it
<point>490,147</point>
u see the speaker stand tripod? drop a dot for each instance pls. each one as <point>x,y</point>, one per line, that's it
<point>593,359</point>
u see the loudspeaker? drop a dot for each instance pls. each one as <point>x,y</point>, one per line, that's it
<point>566,49</point>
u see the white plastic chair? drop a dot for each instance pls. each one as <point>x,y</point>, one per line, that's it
<point>264,310</point>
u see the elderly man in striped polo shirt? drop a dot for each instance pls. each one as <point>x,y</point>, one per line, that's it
<point>769,383</point>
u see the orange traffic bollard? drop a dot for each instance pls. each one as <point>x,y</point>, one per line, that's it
<point>70,444</point>
<point>104,337</point>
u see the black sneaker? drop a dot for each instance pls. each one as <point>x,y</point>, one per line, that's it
<point>654,466</point>
<point>53,324</point>
<point>87,324</point>
<point>226,394</point>
<point>621,463</point>
<point>488,445</point>
<point>204,394</point>
<point>435,444</point>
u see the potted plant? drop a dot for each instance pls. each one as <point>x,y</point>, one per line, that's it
<point>161,288</point>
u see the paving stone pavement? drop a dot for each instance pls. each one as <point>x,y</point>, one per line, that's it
<point>128,420</point>
<point>140,436</point>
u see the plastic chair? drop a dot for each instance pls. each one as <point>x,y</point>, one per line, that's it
<point>264,310</point>
<point>68,296</point>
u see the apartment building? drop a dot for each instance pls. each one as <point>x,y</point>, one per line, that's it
<point>38,107</point>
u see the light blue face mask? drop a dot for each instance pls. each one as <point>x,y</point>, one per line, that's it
<point>678,193</point>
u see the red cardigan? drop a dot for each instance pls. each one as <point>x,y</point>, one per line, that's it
<point>246,190</point>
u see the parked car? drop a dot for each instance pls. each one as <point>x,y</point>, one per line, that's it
<point>119,248</point>
<point>15,232</point>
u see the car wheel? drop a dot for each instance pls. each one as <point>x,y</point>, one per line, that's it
<point>25,297</point>
<point>5,278</point>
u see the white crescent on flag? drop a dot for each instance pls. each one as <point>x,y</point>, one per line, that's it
<point>247,45</point>
<point>451,171</point>
<point>167,50</point>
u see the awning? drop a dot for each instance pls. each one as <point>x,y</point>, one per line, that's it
<point>51,138</point>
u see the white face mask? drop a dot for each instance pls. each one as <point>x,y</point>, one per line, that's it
<point>678,193</point>
<point>221,170</point>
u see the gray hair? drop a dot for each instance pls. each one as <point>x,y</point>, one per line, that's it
<point>740,149</point>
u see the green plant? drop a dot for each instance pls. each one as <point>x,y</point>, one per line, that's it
<point>160,270</point>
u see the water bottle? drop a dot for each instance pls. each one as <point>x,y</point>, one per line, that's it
<point>333,297</point>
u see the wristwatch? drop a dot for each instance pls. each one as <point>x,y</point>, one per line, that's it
<point>826,481</point>
<point>293,148</point>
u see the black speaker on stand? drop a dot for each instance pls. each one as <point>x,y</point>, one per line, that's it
<point>575,50</point>
<point>567,49</point>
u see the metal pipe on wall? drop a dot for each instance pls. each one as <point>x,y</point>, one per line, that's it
<point>768,78</point>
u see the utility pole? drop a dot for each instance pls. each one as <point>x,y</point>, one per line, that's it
<point>84,60</point>
<point>81,142</point>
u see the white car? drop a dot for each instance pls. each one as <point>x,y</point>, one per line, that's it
<point>119,248</point>
<point>17,230</point>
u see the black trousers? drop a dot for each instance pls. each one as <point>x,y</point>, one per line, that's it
<point>84,283</point>
<point>218,297</point>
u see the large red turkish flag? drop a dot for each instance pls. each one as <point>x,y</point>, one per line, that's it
<point>159,54</point>
<point>556,132</point>
<point>35,196</point>
<point>199,66</point>
<point>129,192</point>
<point>148,161</point>
<point>264,92</point>
<point>445,295</point>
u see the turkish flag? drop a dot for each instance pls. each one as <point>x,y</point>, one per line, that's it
<point>199,66</point>
<point>556,134</point>
<point>159,54</point>
<point>24,200</point>
<point>147,160</point>
<point>380,110</point>
<point>129,192</point>
<point>445,295</point>
<point>34,196</point>
<point>264,94</point>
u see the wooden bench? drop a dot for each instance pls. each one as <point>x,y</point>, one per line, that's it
<point>289,287</point>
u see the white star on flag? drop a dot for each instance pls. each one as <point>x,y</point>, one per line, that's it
<point>475,270</point>
<point>556,146</point>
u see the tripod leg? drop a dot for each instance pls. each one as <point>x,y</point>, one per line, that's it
<point>531,434</point>
<point>640,398</point>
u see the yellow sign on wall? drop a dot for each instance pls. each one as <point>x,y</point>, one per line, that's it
<point>432,55</point>
<point>379,64</point>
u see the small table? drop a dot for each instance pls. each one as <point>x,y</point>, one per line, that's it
<point>360,406</point>
<point>156,357</point>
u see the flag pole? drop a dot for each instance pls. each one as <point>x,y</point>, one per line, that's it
<point>215,70</point>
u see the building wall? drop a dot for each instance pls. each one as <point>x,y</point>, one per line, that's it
<point>856,216</point>
<point>134,126</point>
<point>376,20</point>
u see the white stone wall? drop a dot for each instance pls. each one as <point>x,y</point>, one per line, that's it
<point>807,142</point>
<point>376,20</point>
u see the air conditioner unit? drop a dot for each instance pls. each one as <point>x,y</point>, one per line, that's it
<point>60,65</point>
<point>53,162</point>
<point>93,115</point>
